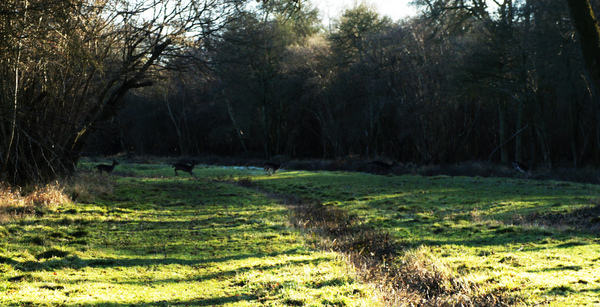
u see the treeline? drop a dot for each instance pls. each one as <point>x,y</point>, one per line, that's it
<point>461,81</point>
<point>452,84</point>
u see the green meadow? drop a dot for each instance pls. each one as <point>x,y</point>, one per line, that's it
<point>144,237</point>
<point>532,239</point>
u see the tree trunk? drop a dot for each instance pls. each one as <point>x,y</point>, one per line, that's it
<point>518,138</point>
<point>586,25</point>
<point>502,132</point>
<point>176,126</point>
<point>237,128</point>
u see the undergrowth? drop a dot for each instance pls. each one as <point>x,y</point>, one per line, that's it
<point>17,204</point>
<point>85,187</point>
<point>35,200</point>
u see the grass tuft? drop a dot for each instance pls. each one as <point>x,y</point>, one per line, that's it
<point>52,253</point>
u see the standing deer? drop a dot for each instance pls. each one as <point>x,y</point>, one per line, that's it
<point>384,167</point>
<point>185,168</point>
<point>106,168</point>
<point>272,166</point>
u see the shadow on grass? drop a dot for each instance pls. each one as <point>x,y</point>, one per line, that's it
<point>574,268</point>
<point>74,262</point>
<point>215,301</point>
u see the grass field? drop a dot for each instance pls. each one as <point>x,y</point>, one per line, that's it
<point>147,238</point>
<point>532,239</point>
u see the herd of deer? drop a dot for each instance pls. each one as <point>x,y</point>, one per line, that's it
<point>272,167</point>
<point>188,168</point>
<point>269,167</point>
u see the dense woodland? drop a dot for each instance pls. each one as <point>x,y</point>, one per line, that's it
<point>464,80</point>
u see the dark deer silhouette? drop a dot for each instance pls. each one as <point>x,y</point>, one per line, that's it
<point>519,167</point>
<point>185,168</point>
<point>383,166</point>
<point>106,168</point>
<point>272,166</point>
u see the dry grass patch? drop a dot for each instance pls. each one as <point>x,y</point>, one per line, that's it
<point>405,277</point>
<point>84,187</point>
<point>15,203</point>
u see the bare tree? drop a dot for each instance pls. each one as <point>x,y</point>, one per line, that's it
<point>71,64</point>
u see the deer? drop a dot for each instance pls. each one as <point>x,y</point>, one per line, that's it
<point>272,166</point>
<point>185,168</point>
<point>106,168</point>
<point>521,168</point>
<point>384,166</point>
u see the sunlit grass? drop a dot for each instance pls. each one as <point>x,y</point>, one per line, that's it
<point>150,238</point>
<point>472,225</point>
<point>159,240</point>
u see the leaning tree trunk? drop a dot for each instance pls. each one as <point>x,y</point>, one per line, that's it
<point>108,105</point>
<point>586,25</point>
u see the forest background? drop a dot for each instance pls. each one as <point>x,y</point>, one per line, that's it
<point>460,81</point>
